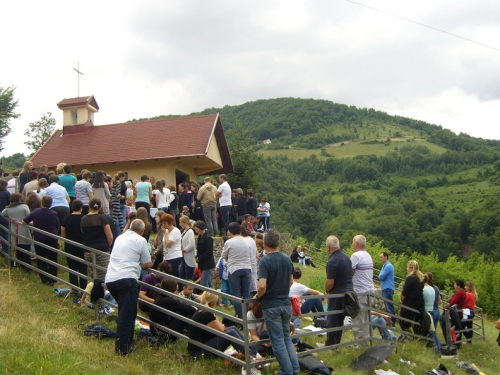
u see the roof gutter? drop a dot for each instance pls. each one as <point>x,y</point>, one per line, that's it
<point>212,133</point>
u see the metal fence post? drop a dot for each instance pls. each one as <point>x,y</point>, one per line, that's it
<point>8,248</point>
<point>370,327</point>
<point>94,276</point>
<point>248,357</point>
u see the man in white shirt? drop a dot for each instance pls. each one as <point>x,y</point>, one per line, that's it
<point>362,280</point>
<point>130,255</point>
<point>225,203</point>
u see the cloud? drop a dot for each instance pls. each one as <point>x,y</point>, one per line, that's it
<point>162,57</point>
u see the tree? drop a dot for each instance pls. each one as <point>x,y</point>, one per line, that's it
<point>40,131</point>
<point>247,163</point>
<point>7,107</point>
<point>15,161</point>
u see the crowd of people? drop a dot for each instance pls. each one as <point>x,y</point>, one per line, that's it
<point>419,294</point>
<point>91,209</point>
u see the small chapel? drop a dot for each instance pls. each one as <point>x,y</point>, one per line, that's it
<point>175,149</point>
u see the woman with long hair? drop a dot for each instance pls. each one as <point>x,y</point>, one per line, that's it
<point>97,234</point>
<point>413,294</point>
<point>42,185</point>
<point>143,193</point>
<point>204,253</point>
<point>432,300</point>
<point>142,214</point>
<point>258,330</point>
<point>188,263</point>
<point>71,229</point>
<point>470,304</point>
<point>100,190</point>
<point>172,243</point>
<point>208,338</point>
<point>116,187</point>
<point>24,176</point>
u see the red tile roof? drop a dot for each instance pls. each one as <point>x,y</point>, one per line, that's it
<point>136,140</point>
<point>78,102</point>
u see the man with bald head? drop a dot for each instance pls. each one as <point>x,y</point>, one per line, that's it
<point>130,255</point>
<point>338,281</point>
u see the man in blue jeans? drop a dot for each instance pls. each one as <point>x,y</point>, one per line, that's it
<point>386,277</point>
<point>275,279</point>
<point>130,254</point>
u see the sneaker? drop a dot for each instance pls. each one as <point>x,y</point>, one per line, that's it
<point>320,345</point>
<point>131,349</point>
<point>402,337</point>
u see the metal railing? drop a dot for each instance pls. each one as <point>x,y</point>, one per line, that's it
<point>248,363</point>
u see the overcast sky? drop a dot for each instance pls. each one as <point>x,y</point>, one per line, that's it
<point>148,58</point>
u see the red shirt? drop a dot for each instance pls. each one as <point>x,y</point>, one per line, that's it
<point>471,301</point>
<point>459,299</point>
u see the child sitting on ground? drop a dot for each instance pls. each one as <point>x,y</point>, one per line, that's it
<point>171,304</point>
<point>103,309</point>
<point>188,293</point>
<point>185,211</point>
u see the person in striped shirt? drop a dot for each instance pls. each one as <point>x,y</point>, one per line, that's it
<point>362,279</point>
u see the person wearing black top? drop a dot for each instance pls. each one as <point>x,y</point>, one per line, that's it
<point>241,206</point>
<point>412,294</point>
<point>24,176</point>
<point>47,220</point>
<point>71,229</point>
<point>294,256</point>
<point>172,304</point>
<point>123,197</point>
<point>251,203</point>
<point>204,253</point>
<point>338,281</point>
<point>182,200</point>
<point>97,234</point>
<point>208,338</point>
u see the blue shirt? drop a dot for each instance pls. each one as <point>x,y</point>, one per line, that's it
<point>58,195</point>
<point>277,269</point>
<point>386,276</point>
<point>68,182</point>
<point>142,189</point>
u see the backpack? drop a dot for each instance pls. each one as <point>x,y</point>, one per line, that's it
<point>351,304</point>
<point>314,366</point>
<point>295,301</point>
<point>98,330</point>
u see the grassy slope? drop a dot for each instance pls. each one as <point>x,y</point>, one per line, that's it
<point>39,335</point>
<point>349,150</point>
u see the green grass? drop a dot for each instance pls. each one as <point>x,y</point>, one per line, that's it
<point>351,149</point>
<point>39,335</point>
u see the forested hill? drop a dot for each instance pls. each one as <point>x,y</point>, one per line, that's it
<point>337,169</point>
<point>314,123</point>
